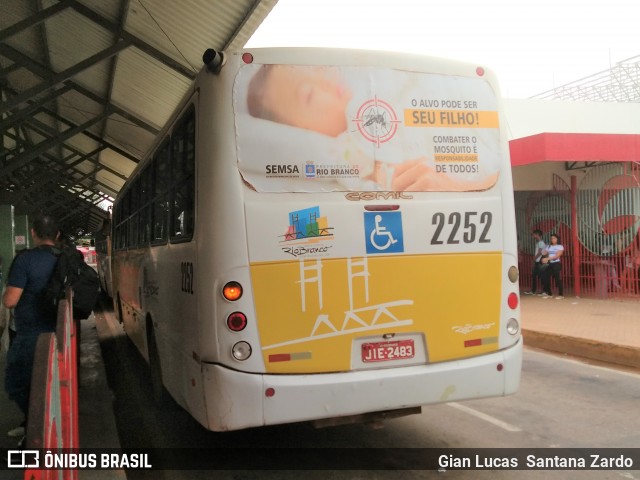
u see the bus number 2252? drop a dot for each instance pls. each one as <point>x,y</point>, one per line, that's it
<point>468,227</point>
<point>187,277</point>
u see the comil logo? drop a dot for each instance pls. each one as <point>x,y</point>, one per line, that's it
<point>356,196</point>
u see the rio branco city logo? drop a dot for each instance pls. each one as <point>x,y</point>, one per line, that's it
<point>376,121</point>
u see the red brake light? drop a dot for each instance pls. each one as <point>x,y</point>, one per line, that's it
<point>247,57</point>
<point>237,321</point>
<point>512,301</point>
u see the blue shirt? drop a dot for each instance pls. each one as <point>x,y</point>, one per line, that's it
<point>31,271</point>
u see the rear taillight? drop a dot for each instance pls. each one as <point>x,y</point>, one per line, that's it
<point>232,291</point>
<point>512,301</point>
<point>241,351</point>
<point>237,321</point>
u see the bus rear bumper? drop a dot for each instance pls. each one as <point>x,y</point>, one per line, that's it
<point>237,400</point>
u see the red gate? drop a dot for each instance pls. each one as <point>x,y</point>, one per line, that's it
<point>598,221</point>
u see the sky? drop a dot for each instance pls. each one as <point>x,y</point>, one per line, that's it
<point>532,46</point>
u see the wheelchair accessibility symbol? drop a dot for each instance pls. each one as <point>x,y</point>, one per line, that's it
<point>383,232</point>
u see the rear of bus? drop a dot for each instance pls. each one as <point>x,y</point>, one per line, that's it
<point>380,268</point>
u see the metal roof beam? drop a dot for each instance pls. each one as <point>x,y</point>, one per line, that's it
<point>25,157</point>
<point>102,198</point>
<point>64,75</point>
<point>103,213</point>
<point>10,69</point>
<point>63,197</point>
<point>41,182</point>
<point>45,130</point>
<point>138,43</point>
<point>89,207</point>
<point>34,20</point>
<point>96,138</point>
<point>115,109</point>
<point>33,107</point>
<point>43,72</point>
<point>122,17</point>
<point>24,61</point>
<point>109,191</point>
<point>51,206</point>
<point>92,136</point>
<point>241,25</point>
<point>66,167</point>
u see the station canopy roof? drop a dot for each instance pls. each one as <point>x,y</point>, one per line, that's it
<point>86,85</point>
<point>575,149</point>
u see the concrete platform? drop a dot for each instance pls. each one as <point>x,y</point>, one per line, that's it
<point>602,330</point>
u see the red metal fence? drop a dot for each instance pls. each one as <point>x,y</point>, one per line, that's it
<point>53,404</point>
<point>598,221</point>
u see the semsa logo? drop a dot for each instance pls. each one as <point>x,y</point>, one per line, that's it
<point>282,170</point>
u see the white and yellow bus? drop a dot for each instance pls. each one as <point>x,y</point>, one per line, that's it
<point>323,235</point>
<point>103,257</point>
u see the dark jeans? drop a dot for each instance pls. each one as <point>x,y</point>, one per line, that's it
<point>553,270</point>
<point>17,381</point>
<point>536,274</point>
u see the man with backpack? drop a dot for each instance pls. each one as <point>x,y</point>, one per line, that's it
<point>538,266</point>
<point>28,277</point>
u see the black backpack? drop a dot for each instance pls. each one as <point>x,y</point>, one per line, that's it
<point>70,271</point>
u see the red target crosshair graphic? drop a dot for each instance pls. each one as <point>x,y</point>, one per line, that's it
<point>376,121</point>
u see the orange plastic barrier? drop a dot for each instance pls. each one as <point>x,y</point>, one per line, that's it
<point>53,404</point>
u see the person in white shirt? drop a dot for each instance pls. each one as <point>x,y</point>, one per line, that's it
<point>555,251</point>
<point>536,273</point>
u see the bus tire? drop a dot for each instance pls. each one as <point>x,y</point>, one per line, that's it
<point>155,369</point>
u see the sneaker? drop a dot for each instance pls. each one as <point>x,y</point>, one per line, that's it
<point>542,294</point>
<point>529,293</point>
<point>16,432</point>
<point>559,297</point>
